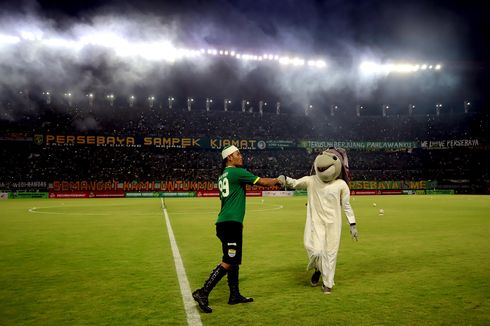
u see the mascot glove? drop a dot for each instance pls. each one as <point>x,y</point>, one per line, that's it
<point>282,180</point>
<point>353,232</point>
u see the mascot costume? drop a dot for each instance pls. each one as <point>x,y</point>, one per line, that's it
<point>328,194</point>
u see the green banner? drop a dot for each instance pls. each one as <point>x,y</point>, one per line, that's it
<point>362,145</point>
<point>440,192</point>
<point>28,195</point>
<point>271,144</point>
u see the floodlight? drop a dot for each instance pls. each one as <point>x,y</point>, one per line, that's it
<point>438,67</point>
<point>8,39</point>
<point>321,64</point>
<point>31,36</point>
<point>62,43</point>
<point>369,67</point>
<point>284,60</point>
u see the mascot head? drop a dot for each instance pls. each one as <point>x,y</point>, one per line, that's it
<point>332,164</point>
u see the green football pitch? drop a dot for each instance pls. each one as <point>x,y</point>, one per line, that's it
<point>425,261</point>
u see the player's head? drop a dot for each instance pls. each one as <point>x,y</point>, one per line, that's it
<point>231,156</point>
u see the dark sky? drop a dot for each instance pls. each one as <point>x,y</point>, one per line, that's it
<point>452,32</point>
<point>444,30</point>
<point>450,29</point>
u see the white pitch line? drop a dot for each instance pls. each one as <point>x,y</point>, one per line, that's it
<point>193,317</point>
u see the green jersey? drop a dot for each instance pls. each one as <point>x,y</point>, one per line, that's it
<point>231,186</point>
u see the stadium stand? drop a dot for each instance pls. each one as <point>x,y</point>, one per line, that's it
<point>452,149</point>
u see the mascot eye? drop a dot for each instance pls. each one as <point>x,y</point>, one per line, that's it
<point>334,158</point>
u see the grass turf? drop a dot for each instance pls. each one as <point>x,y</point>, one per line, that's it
<point>108,261</point>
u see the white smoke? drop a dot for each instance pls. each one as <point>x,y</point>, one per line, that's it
<point>116,56</point>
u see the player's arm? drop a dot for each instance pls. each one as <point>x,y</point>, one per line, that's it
<point>267,182</point>
<point>249,178</point>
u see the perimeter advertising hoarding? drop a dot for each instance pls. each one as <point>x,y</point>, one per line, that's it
<point>138,187</point>
<point>277,193</point>
<point>252,193</point>
<point>86,194</point>
<point>28,195</point>
<point>160,194</point>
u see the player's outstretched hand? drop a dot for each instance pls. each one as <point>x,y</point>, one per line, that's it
<point>353,232</point>
<point>282,180</point>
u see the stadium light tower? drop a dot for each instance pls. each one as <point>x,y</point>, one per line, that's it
<point>190,100</point>
<point>467,105</point>
<point>110,98</point>
<point>151,101</point>
<point>438,109</point>
<point>245,104</point>
<point>385,108</point>
<point>90,98</point>
<point>68,98</point>
<point>261,107</point>
<point>47,94</point>
<point>308,109</point>
<point>359,108</point>
<point>278,107</point>
<point>333,108</point>
<point>170,102</point>
<point>226,103</point>
<point>208,104</point>
<point>131,101</point>
<point>411,108</point>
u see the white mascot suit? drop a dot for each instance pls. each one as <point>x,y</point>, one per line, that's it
<point>328,194</point>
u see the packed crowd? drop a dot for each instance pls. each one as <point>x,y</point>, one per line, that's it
<point>27,161</point>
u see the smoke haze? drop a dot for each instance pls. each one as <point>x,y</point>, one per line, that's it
<point>342,34</point>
